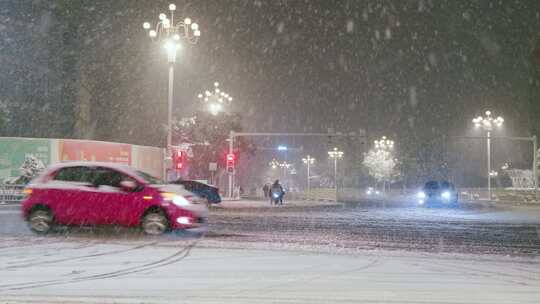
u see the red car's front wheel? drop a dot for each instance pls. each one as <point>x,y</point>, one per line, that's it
<point>155,223</point>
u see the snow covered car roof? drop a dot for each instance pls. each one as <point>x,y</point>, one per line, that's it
<point>116,166</point>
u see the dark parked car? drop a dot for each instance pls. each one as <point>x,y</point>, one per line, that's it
<point>438,193</point>
<point>208,192</point>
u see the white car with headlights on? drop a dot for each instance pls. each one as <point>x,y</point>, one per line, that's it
<point>370,191</point>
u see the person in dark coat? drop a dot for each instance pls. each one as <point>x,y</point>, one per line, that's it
<point>265,190</point>
<point>276,188</point>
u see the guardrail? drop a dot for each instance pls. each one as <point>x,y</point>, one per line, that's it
<point>11,194</point>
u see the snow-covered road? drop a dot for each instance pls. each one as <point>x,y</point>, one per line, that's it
<point>184,271</point>
<point>305,252</point>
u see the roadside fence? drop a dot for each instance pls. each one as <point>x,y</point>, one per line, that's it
<point>11,194</point>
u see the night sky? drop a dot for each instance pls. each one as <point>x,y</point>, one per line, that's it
<point>417,71</point>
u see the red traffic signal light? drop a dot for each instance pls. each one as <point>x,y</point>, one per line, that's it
<point>179,165</point>
<point>178,159</point>
<point>230,162</point>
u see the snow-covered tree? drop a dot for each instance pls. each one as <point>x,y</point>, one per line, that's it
<point>29,169</point>
<point>381,165</point>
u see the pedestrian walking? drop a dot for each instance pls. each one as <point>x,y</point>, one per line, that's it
<point>265,190</point>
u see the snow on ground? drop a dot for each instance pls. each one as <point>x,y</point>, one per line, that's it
<point>302,252</point>
<point>136,272</point>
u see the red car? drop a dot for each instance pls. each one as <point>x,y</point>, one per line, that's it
<point>91,193</point>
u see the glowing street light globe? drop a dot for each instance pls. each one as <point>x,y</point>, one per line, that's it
<point>308,160</point>
<point>335,153</point>
<point>488,122</point>
<point>384,144</point>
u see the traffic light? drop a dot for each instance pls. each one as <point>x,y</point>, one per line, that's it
<point>178,159</point>
<point>230,162</point>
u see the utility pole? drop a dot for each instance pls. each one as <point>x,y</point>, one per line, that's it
<point>535,161</point>
<point>308,160</point>
<point>231,147</point>
<point>335,154</point>
<point>489,162</point>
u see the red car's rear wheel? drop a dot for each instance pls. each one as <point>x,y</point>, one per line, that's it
<point>41,221</point>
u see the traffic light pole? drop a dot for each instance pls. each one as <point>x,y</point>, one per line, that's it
<point>231,148</point>
<point>535,162</point>
<point>233,134</point>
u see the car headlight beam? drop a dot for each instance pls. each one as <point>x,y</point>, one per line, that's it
<point>176,199</point>
<point>446,195</point>
<point>179,200</point>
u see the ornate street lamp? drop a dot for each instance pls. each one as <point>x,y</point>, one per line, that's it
<point>335,154</point>
<point>384,144</point>
<point>171,33</point>
<point>488,123</point>
<point>308,160</point>
<point>216,99</point>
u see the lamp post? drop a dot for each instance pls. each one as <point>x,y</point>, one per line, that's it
<point>488,123</point>
<point>215,99</point>
<point>171,34</point>
<point>384,145</point>
<point>308,160</point>
<point>335,154</point>
<point>285,166</point>
<point>274,164</point>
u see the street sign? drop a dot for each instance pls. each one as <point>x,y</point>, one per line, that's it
<point>212,166</point>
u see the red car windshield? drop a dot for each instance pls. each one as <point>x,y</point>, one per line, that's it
<point>149,178</point>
